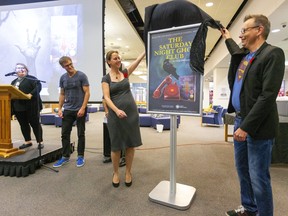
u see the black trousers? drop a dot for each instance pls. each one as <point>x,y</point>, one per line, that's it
<point>69,117</point>
<point>27,119</point>
<point>106,141</point>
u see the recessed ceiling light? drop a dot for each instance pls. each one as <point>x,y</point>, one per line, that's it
<point>275,30</point>
<point>209,4</point>
<point>143,77</point>
<point>125,63</point>
<point>119,39</point>
<point>137,72</point>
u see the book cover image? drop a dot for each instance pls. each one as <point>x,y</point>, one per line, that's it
<point>187,85</point>
<point>173,86</point>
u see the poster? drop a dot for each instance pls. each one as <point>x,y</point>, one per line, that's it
<point>173,88</point>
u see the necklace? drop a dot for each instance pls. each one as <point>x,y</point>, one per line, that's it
<point>116,75</point>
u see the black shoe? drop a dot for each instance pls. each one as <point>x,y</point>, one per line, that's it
<point>115,184</point>
<point>122,162</point>
<point>107,160</point>
<point>40,146</point>
<point>240,212</point>
<point>25,145</point>
<point>128,184</point>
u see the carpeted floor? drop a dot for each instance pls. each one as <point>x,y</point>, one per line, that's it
<point>204,161</point>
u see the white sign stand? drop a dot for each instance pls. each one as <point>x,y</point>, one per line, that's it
<point>173,194</point>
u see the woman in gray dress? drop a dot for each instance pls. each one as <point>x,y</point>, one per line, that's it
<point>123,117</point>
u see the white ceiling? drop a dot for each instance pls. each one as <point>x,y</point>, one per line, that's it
<point>117,25</point>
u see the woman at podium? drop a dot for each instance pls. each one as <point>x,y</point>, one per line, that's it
<point>27,112</point>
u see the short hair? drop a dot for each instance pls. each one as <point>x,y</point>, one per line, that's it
<point>23,65</point>
<point>109,54</point>
<point>64,59</point>
<point>260,20</point>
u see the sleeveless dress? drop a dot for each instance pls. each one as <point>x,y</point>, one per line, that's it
<point>123,132</point>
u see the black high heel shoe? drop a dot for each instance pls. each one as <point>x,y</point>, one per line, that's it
<point>128,184</point>
<point>115,184</point>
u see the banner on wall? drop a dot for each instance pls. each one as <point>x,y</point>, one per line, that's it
<point>173,87</point>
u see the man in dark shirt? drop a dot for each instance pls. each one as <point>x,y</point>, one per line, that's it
<point>74,96</point>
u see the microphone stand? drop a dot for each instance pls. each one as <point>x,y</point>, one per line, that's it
<point>41,161</point>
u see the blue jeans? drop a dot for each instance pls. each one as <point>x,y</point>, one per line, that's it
<point>252,160</point>
<point>69,117</point>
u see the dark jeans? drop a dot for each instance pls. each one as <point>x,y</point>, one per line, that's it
<point>69,117</point>
<point>26,119</point>
<point>253,158</point>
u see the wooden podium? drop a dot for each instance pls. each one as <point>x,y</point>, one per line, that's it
<point>7,93</point>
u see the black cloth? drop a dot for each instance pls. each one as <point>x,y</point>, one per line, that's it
<point>27,112</point>
<point>261,83</point>
<point>29,84</point>
<point>180,13</point>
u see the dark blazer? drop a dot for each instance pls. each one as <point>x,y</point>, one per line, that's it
<point>261,83</point>
<point>28,85</point>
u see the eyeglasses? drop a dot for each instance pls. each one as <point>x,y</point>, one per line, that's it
<point>68,65</point>
<point>244,30</point>
<point>20,69</point>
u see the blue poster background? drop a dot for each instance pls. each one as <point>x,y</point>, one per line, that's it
<point>173,87</point>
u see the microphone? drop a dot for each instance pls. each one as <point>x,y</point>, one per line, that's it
<point>10,74</point>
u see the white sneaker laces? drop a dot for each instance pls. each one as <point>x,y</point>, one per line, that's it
<point>240,209</point>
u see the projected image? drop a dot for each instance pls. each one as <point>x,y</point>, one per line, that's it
<point>38,34</point>
<point>38,37</point>
<point>63,39</point>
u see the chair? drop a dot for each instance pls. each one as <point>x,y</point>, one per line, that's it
<point>223,114</point>
<point>228,120</point>
<point>47,119</point>
<point>145,120</point>
<point>142,110</point>
<point>91,109</point>
<point>164,120</point>
<point>213,118</point>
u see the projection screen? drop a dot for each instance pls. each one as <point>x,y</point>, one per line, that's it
<point>38,34</point>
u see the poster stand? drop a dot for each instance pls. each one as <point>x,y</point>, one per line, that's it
<point>174,88</point>
<point>173,194</point>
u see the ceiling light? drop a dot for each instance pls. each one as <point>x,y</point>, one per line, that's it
<point>137,73</point>
<point>209,4</point>
<point>275,30</point>
<point>119,39</point>
<point>143,77</point>
<point>125,63</point>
